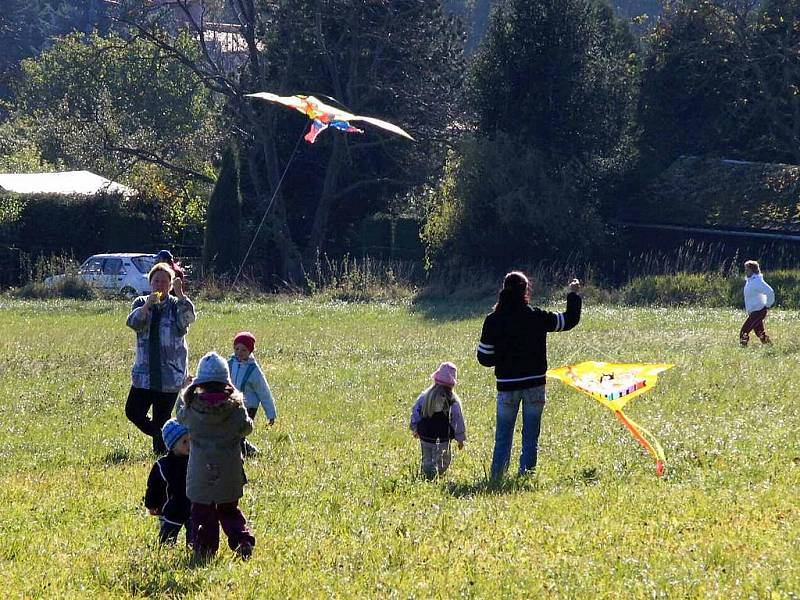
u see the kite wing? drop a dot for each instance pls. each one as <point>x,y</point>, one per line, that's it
<point>611,384</point>
<point>291,101</point>
<point>383,124</point>
<point>614,385</point>
<point>325,115</point>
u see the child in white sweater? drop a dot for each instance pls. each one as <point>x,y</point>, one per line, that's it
<point>758,296</point>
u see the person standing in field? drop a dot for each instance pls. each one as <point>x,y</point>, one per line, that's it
<point>166,486</point>
<point>514,342</point>
<point>437,418</point>
<point>161,322</point>
<point>758,296</point>
<point>214,413</point>
<point>249,379</point>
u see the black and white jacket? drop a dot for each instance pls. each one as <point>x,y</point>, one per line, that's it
<point>514,342</point>
<point>166,489</point>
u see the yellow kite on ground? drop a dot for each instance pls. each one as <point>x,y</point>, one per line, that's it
<point>614,385</point>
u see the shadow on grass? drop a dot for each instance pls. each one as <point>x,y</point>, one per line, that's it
<point>445,309</point>
<point>492,487</point>
<point>121,456</point>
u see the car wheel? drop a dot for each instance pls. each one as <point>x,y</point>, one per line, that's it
<point>128,292</point>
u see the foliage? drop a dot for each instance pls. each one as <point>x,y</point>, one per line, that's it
<point>400,61</point>
<point>554,136</point>
<point>688,289</point>
<point>334,500</point>
<point>79,225</point>
<point>27,26</point>
<point>117,107</point>
<point>366,280</point>
<point>704,191</point>
<point>497,186</point>
<point>223,231</point>
<point>720,78</point>
<point>708,289</point>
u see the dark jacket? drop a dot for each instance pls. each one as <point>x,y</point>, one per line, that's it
<point>166,488</point>
<point>514,342</point>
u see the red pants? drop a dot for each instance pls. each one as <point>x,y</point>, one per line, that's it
<point>754,322</point>
<point>206,520</point>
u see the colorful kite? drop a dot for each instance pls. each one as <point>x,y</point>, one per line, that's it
<point>613,385</point>
<point>324,116</point>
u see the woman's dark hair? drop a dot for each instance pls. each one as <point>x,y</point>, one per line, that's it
<point>514,293</point>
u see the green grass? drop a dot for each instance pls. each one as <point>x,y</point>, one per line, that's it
<point>334,499</point>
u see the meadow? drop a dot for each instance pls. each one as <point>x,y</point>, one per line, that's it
<point>334,499</point>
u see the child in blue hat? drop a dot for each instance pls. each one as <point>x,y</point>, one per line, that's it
<point>166,487</point>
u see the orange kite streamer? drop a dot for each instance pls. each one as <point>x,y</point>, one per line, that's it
<point>613,385</point>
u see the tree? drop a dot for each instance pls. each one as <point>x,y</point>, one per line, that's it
<point>27,26</point>
<point>108,104</point>
<point>554,88</point>
<point>690,84</point>
<point>223,235</point>
<point>721,78</point>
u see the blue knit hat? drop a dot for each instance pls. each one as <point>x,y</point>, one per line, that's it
<point>212,367</point>
<point>172,431</point>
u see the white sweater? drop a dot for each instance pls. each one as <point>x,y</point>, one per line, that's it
<point>757,293</point>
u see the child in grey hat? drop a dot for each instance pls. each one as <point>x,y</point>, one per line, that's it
<point>215,415</point>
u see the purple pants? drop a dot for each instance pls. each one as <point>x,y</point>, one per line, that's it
<point>754,322</point>
<point>206,520</point>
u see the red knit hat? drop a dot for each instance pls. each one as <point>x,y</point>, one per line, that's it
<point>246,338</point>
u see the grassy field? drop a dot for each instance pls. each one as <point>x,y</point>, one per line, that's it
<point>334,499</point>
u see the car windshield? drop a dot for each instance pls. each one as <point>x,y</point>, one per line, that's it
<point>143,263</point>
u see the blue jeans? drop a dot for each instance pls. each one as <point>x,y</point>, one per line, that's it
<point>507,407</point>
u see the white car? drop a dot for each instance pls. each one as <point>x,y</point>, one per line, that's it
<point>124,273</point>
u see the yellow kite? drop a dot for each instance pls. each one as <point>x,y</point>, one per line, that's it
<point>614,385</point>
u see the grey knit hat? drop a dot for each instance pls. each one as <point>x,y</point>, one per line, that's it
<point>212,367</point>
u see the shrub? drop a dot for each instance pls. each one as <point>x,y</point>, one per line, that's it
<point>699,289</point>
<point>785,282</point>
<point>68,286</point>
<point>360,280</point>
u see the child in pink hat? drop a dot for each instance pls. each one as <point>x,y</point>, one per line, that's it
<point>436,419</point>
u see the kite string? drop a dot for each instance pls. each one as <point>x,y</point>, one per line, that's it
<point>269,205</point>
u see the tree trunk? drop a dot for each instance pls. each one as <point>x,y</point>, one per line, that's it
<point>319,230</point>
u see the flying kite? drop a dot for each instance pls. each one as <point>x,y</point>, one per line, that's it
<point>613,385</point>
<point>323,115</point>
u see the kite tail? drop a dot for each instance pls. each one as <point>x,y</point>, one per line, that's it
<point>652,446</point>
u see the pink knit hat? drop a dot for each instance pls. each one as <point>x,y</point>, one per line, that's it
<point>445,374</point>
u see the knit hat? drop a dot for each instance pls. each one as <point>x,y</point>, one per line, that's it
<point>246,338</point>
<point>172,431</point>
<point>445,374</point>
<point>164,256</point>
<point>212,367</point>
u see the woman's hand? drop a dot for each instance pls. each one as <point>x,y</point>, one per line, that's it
<point>151,300</point>
<point>460,445</point>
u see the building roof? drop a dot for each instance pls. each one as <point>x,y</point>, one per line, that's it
<point>83,183</point>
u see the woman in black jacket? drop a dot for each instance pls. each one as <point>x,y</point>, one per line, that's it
<point>514,342</point>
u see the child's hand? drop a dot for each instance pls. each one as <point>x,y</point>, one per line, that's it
<point>188,381</point>
<point>415,434</point>
<point>177,286</point>
<point>460,445</point>
<point>154,511</point>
